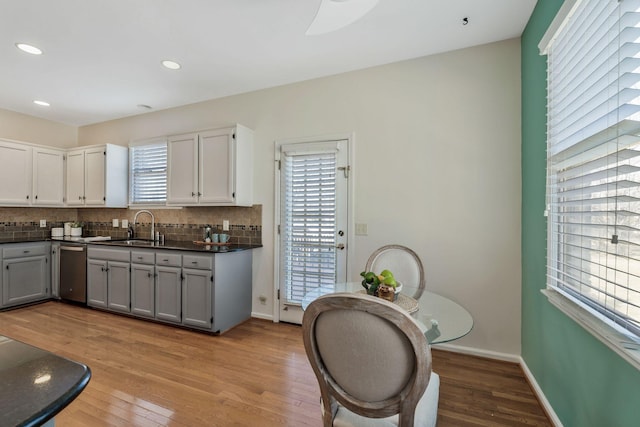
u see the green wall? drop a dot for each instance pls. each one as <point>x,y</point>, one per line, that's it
<point>586,383</point>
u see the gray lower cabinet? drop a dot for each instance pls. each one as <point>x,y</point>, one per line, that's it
<point>169,286</point>
<point>26,273</point>
<point>199,290</point>
<point>109,279</point>
<point>143,283</point>
<point>232,289</point>
<point>118,286</point>
<point>55,269</point>
<point>169,294</point>
<point>97,283</point>
<point>197,301</point>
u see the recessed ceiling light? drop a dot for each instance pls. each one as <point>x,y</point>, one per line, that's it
<point>41,103</point>
<point>172,65</point>
<point>29,49</point>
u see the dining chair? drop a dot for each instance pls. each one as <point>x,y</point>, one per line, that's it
<point>403,262</point>
<point>372,362</point>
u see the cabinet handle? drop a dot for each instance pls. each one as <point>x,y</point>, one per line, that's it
<point>149,275</point>
<point>193,194</point>
<point>36,197</point>
<point>139,257</point>
<point>199,194</point>
<point>27,197</point>
<point>165,260</point>
<point>194,262</point>
<point>26,252</point>
<point>79,197</point>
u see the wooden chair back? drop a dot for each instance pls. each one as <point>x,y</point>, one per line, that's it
<point>368,355</point>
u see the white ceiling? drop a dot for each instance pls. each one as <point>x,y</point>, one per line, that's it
<point>102,58</point>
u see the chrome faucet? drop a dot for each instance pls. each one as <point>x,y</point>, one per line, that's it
<point>153,221</point>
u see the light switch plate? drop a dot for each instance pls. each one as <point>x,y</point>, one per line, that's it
<point>43,223</point>
<point>125,223</point>
<point>361,229</point>
<point>115,223</point>
<point>225,225</point>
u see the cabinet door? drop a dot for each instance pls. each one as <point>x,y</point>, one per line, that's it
<point>25,280</point>
<point>119,286</point>
<point>182,169</point>
<point>94,179</point>
<point>55,270</point>
<point>15,174</point>
<point>197,302</point>
<point>75,178</point>
<point>168,294</point>
<point>48,177</point>
<point>216,166</point>
<point>97,283</point>
<point>143,290</point>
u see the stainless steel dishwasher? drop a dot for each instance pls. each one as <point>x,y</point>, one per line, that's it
<point>73,272</point>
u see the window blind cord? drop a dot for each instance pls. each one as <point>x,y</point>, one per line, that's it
<point>614,237</point>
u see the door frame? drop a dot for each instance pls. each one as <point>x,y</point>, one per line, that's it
<point>350,138</point>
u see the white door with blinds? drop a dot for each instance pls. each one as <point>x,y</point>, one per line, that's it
<point>312,240</point>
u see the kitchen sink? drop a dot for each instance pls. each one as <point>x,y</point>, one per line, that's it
<point>133,242</point>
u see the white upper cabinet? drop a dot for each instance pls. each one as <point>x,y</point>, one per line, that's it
<point>211,168</point>
<point>75,178</point>
<point>48,177</point>
<point>97,176</point>
<point>182,169</point>
<point>15,174</point>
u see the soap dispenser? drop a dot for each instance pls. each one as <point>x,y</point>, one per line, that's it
<point>207,233</point>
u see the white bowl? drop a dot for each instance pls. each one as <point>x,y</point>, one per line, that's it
<point>76,231</point>
<point>398,287</point>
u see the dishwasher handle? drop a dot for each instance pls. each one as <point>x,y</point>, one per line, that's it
<point>72,248</point>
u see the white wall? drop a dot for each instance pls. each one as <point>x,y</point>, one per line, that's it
<point>437,168</point>
<point>22,127</point>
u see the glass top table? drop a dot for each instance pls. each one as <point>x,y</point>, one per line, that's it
<point>442,319</point>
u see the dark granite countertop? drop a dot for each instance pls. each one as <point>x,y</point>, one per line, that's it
<point>22,239</point>
<point>176,245</point>
<point>35,384</point>
<point>141,243</point>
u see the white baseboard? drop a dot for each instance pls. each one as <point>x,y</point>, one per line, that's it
<point>262,316</point>
<point>541,397</point>
<point>478,352</point>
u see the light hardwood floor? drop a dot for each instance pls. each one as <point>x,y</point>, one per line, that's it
<point>257,374</point>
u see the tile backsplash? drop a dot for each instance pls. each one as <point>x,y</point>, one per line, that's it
<point>245,223</point>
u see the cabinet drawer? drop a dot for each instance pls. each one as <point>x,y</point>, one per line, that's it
<point>168,258</point>
<point>109,254</point>
<point>143,257</point>
<point>19,251</point>
<point>198,261</point>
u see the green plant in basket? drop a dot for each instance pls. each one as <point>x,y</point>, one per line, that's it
<point>372,281</point>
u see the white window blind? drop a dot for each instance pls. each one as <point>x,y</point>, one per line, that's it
<point>593,159</point>
<point>148,173</point>
<point>308,222</point>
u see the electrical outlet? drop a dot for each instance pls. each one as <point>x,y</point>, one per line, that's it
<point>115,223</point>
<point>263,300</point>
<point>225,225</point>
<point>125,223</point>
<point>43,223</point>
